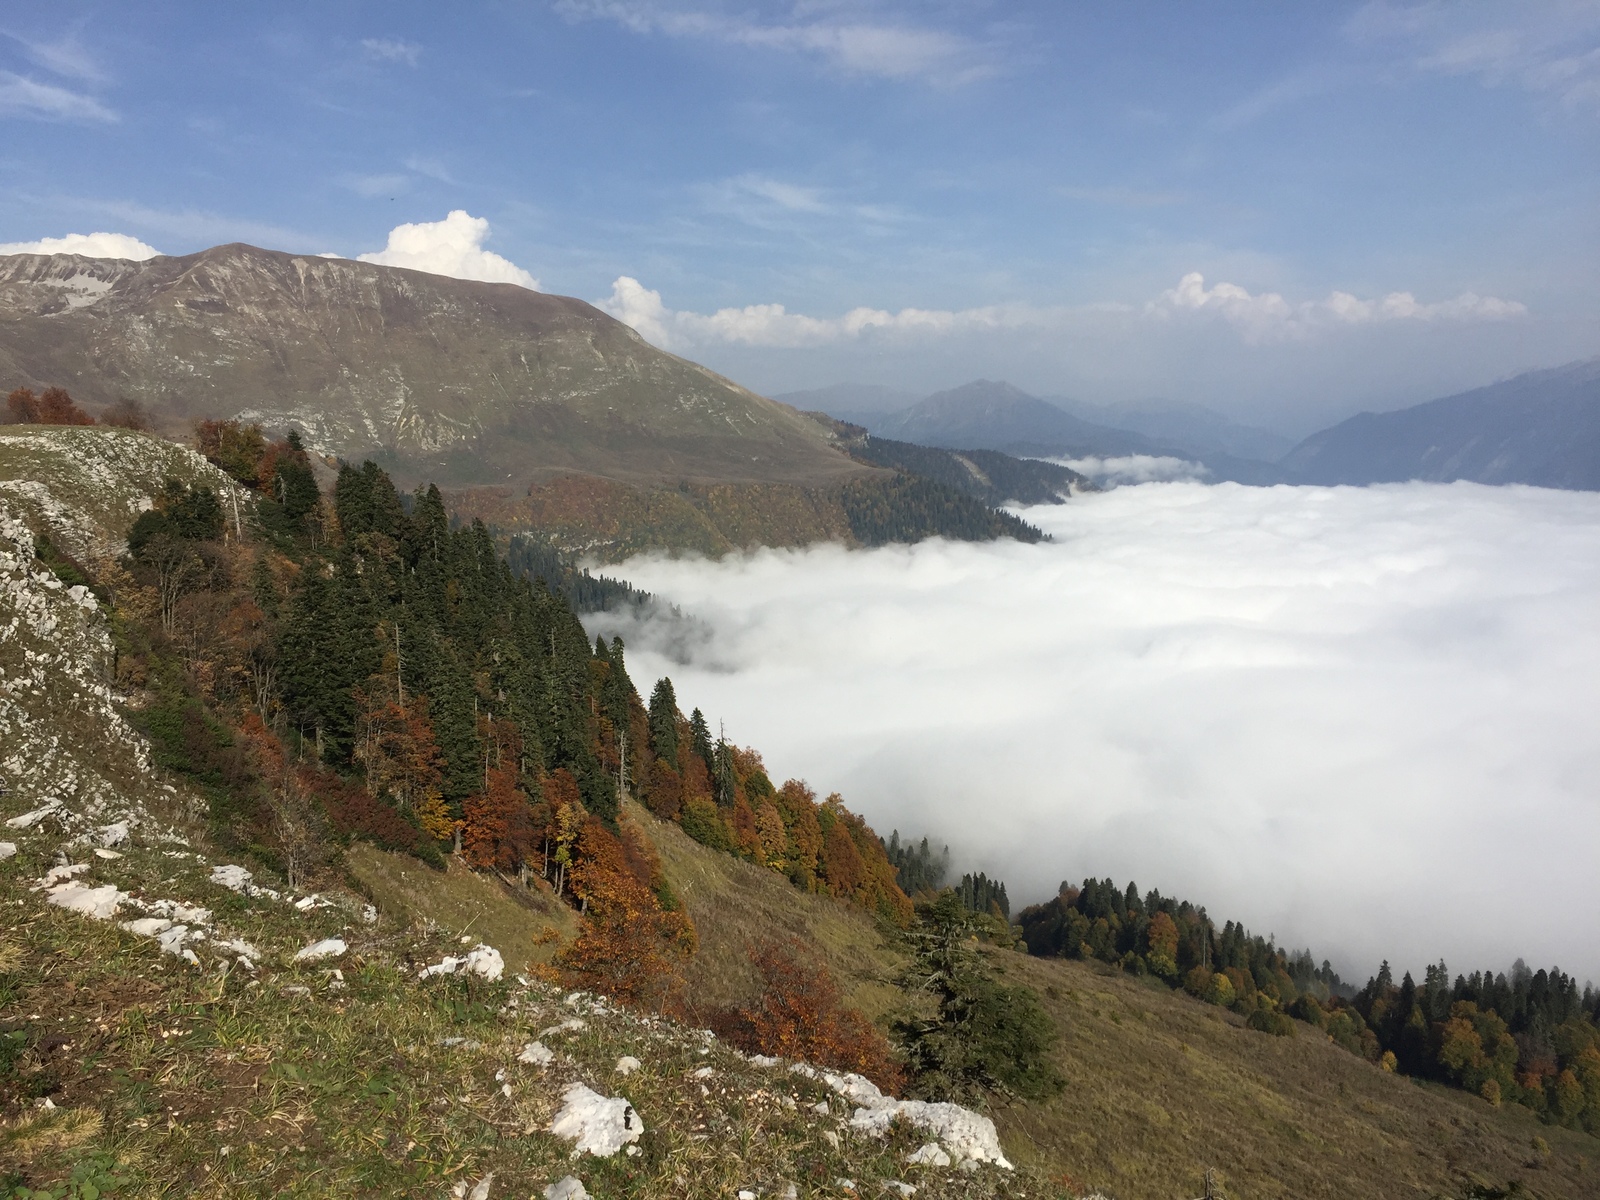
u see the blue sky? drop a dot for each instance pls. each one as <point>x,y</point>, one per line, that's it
<point>1383,202</point>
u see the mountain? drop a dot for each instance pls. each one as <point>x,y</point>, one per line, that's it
<point>442,379</point>
<point>1540,428</point>
<point>849,401</point>
<point>991,415</point>
<point>1193,428</point>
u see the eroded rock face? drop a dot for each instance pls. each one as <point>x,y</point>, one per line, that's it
<point>69,759</point>
<point>459,381</point>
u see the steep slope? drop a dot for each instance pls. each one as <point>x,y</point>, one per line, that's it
<point>454,381</point>
<point>67,745</point>
<point>1541,428</point>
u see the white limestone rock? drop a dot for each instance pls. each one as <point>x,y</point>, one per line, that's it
<point>596,1124</point>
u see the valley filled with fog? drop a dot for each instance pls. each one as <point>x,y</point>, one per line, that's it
<point>1360,719</point>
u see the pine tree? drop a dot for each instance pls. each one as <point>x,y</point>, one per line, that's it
<point>664,722</point>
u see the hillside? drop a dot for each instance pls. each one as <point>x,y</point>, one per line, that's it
<point>1541,428</point>
<point>355,1022</point>
<point>441,379</point>
<point>1161,1086</point>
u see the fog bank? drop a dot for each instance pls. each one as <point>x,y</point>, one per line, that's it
<point>1361,719</point>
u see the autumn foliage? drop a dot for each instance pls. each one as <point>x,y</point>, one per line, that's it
<point>629,948</point>
<point>801,1015</point>
<point>52,407</point>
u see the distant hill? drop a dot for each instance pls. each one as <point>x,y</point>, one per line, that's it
<point>1193,428</point>
<point>987,475</point>
<point>1540,428</point>
<point>993,415</point>
<point>458,382</point>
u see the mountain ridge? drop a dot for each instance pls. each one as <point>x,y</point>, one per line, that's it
<point>461,382</point>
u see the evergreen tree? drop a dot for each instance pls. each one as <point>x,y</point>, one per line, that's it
<point>664,722</point>
<point>700,740</point>
<point>979,1035</point>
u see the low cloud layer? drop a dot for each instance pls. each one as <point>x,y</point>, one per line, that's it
<point>90,245</point>
<point>454,247</point>
<point>1361,719</point>
<point>1257,317</point>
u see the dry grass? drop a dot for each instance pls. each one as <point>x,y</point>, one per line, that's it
<point>735,903</point>
<point>514,920</point>
<point>1160,1086</point>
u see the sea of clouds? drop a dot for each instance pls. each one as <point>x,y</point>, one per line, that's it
<point>1362,719</point>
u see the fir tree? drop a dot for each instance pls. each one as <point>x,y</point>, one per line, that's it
<point>664,722</point>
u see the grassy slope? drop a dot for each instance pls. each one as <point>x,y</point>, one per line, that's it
<point>463,903</point>
<point>286,1080</point>
<point>1160,1086</point>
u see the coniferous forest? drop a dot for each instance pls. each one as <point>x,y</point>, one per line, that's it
<point>1529,1038</point>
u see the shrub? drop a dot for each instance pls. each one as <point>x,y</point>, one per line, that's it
<point>800,1014</point>
<point>704,824</point>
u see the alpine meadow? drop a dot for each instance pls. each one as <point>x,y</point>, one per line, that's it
<point>785,600</point>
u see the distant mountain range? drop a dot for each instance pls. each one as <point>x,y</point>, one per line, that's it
<point>1540,428</point>
<point>994,415</point>
<point>437,378</point>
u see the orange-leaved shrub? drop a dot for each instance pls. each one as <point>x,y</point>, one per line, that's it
<point>800,1014</point>
<point>629,947</point>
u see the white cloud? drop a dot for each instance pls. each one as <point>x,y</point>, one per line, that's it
<point>1267,316</point>
<point>28,97</point>
<point>90,245</point>
<point>391,50</point>
<point>889,50</point>
<point>1543,46</point>
<point>454,247</point>
<point>773,325</point>
<point>1136,468</point>
<point>1310,709</point>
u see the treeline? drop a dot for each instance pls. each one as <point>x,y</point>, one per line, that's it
<point>532,558</point>
<point>55,406</point>
<point>921,873</point>
<point>1531,1038</point>
<point>909,508</point>
<point>353,666</point>
<point>998,479</point>
<point>722,797</point>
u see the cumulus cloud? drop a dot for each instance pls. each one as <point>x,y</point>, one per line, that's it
<point>1265,316</point>
<point>90,245</point>
<point>20,95</point>
<point>1360,719</point>
<point>1268,316</point>
<point>454,247</point>
<point>885,49</point>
